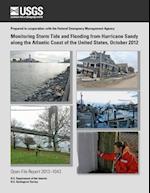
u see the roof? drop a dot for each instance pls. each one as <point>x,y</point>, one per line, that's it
<point>99,58</point>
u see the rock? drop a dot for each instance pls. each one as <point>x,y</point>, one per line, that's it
<point>58,94</point>
<point>47,95</point>
<point>51,90</point>
<point>58,88</point>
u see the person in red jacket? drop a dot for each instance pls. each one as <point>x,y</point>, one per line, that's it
<point>124,161</point>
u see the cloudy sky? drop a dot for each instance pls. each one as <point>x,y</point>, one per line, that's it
<point>43,56</point>
<point>28,115</point>
<point>103,97</point>
<point>130,57</point>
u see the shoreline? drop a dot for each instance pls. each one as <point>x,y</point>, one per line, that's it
<point>52,89</point>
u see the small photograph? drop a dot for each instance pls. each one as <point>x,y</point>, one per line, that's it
<point>107,69</point>
<point>41,135</point>
<point>107,109</point>
<point>40,76</point>
<point>108,152</point>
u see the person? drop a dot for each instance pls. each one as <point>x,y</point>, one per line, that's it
<point>124,161</point>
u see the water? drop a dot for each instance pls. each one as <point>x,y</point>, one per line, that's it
<point>43,142</point>
<point>26,77</point>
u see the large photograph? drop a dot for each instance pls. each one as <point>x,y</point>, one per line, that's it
<point>108,152</point>
<point>41,135</point>
<point>107,69</point>
<point>40,76</point>
<point>107,109</point>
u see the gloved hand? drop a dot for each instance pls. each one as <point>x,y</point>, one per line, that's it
<point>98,153</point>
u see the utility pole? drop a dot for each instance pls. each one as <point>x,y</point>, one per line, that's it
<point>52,111</point>
<point>49,126</point>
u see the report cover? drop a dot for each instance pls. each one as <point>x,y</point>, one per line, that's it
<point>74,96</point>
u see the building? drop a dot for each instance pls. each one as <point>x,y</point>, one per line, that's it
<point>101,65</point>
<point>28,60</point>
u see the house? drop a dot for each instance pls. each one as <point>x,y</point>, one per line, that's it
<point>101,65</point>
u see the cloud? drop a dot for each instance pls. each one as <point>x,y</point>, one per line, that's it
<point>103,97</point>
<point>43,56</point>
<point>130,57</point>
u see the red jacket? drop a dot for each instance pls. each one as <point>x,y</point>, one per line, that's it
<point>127,163</point>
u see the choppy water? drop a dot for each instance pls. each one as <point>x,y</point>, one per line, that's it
<point>26,77</point>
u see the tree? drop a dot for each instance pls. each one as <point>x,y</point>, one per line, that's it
<point>59,131</point>
<point>28,141</point>
<point>15,138</point>
<point>16,123</point>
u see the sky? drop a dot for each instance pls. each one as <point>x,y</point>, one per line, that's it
<point>130,57</point>
<point>28,115</point>
<point>103,97</point>
<point>43,56</point>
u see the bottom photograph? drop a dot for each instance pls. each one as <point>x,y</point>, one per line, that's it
<point>107,152</point>
<point>41,135</point>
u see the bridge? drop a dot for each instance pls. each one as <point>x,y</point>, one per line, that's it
<point>34,132</point>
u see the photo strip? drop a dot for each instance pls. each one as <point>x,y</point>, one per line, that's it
<point>108,112</point>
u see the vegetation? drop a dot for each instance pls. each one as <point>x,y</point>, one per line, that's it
<point>23,156</point>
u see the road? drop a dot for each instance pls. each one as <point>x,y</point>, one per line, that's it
<point>130,83</point>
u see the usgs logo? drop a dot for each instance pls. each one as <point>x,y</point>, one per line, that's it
<point>26,12</point>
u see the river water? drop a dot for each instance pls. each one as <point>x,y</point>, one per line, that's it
<point>26,77</point>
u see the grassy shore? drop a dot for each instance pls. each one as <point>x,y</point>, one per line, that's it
<point>23,156</point>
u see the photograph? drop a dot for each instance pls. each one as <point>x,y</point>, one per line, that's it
<point>40,76</point>
<point>41,135</point>
<point>107,109</point>
<point>107,69</point>
<point>108,152</point>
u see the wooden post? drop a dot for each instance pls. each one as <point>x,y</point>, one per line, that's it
<point>106,144</point>
<point>14,140</point>
<point>133,116</point>
<point>115,114</point>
